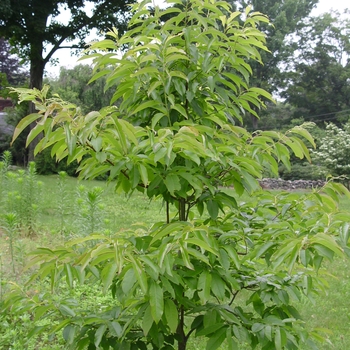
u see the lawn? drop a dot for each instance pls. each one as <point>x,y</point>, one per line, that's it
<point>64,208</point>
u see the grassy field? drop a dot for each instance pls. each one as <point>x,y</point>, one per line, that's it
<point>65,208</point>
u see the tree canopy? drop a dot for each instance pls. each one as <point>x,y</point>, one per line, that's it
<point>11,70</point>
<point>72,85</point>
<point>319,84</point>
<point>286,17</point>
<point>33,27</point>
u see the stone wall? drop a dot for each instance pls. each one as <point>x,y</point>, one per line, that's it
<point>290,184</point>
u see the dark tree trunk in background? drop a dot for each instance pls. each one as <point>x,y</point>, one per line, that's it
<point>37,66</point>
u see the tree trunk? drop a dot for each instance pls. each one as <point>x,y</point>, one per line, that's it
<point>37,65</point>
<point>182,342</point>
<point>254,122</point>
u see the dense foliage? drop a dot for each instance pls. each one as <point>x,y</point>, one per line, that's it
<point>34,29</point>
<point>73,85</point>
<point>11,72</point>
<point>319,84</point>
<point>215,269</point>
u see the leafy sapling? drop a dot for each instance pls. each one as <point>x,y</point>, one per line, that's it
<point>218,270</point>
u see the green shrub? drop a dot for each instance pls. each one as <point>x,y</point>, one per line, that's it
<point>301,171</point>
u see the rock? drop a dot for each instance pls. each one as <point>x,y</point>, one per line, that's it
<point>290,185</point>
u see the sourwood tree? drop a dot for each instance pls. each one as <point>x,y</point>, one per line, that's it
<point>223,265</point>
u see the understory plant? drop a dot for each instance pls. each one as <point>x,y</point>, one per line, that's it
<point>90,212</point>
<point>20,194</point>
<point>222,268</point>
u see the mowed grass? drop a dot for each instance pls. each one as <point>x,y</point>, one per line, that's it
<point>329,311</point>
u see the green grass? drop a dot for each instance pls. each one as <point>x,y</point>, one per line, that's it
<point>331,310</point>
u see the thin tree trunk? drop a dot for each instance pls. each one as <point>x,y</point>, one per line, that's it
<point>182,343</point>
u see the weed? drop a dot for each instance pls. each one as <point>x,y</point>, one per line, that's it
<point>10,225</point>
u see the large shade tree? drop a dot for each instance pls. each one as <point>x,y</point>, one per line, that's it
<point>72,85</point>
<point>286,18</point>
<point>319,84</point>
<point>10,67</point>
<point>33,27</point>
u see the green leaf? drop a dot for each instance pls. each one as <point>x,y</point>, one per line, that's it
<point>264,248</point>
<point>171,315</point>
<point>278,339</point>
<point>34,133</point>
<point>211,329</point>
<point>216,339</point>
<point>180,109</point>
<point>233,255</point>
<point>172,182</point>
<point>204,286</point>
<point>69,333</point>
<point>24,123</point>
<point>143,174</point>
<point>147,321</point>
<point>66,310</point>
<point>99,334</point>
<point>202,244</point>
<point>108,274</point>
<point>139,273</point>
<point>218,286</point>
<point>169,229</point>
<point>213,209</point>
<point>128,281</point>
<point>69,275</point>
<point>115,328</point>
<point>156,301</point>
<point>303,132</point>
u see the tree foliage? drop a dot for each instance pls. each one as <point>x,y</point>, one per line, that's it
<point>286,18</point>
<point>319,82</point>
<point>73,85</point>
<point>10,69</point>
<point>32,26</point>
<point>34,29</point>
<point>183,83</point>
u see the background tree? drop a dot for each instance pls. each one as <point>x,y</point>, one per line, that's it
<point>319,85</point>
<point>13,74</point>
<point>33,29</point>
<point>174,137</point>
<point>286,18</point>
<point>73,85</point>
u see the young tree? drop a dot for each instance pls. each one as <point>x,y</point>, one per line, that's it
<point>183,85</point>
<point>33,29</point>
